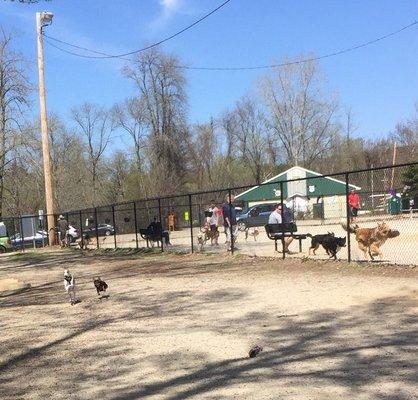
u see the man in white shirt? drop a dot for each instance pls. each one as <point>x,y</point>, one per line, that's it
<point>213,222</point>
<point>276,218</point>
<point>276,215</point>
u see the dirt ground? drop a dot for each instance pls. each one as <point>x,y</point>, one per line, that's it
<point>181,326</point>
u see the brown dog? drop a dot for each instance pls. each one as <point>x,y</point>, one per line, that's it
<point>209,234</point>
<point>370,240</point>
<point>254,233</point>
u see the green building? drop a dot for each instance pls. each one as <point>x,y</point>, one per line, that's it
<point>329,191</point>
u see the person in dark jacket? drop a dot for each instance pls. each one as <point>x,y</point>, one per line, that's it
<point>62,230</point>
<point>156,230</point>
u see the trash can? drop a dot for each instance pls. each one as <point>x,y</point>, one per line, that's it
<point>394,205</point>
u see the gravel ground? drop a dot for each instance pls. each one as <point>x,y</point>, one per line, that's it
<point>181,326</point>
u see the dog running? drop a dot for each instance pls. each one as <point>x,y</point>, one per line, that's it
<point>101,286</point>
<point>370,240</point>
<point>329,242</point>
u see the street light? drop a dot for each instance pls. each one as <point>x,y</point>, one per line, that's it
<point>44,19</point>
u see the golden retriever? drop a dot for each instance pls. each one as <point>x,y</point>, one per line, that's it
<point>370,240</point>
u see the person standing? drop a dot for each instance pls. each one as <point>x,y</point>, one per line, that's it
<point>62,230</point>
<point>213,222</point>
<point>354,204</point>
<point>230,222</point>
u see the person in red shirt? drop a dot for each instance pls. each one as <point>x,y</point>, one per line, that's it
<point>354,204</point>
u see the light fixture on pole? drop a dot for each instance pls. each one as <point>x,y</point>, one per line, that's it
<point>44,19</point>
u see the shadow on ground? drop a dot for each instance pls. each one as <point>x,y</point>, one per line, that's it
<point>366,351</point>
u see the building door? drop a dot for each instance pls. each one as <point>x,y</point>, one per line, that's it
<point>298,187</point>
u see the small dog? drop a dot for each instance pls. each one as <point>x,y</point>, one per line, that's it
<point>254,351</point>
<point>254,233</point>
<point>100,285</point>
<point>69,285</point>
<point>370,240</point>
<point>200,241</point>
<point>329,242</point>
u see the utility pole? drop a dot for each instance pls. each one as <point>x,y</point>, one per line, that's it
<point>44,19</point>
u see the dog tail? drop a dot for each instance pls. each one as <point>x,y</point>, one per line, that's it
<point>349,228</point>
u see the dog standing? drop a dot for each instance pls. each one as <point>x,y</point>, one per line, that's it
<point>370,240</point>
<point>200,241</point>
<point>254,233</point>
<point>69,285</point>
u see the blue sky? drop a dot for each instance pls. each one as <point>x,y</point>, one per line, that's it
<point>379,83</point>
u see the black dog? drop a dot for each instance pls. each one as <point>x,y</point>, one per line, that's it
<point>332,245</point>
<point>318,240</point>
<point>329,242</point>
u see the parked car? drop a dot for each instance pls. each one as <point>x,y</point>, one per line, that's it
<point>73,233</point>
<point>257,215</point>
<point>102,230</point>
<point>5,242</point>
<point>40,239</point>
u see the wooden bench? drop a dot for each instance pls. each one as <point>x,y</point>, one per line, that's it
<point>280,231</point>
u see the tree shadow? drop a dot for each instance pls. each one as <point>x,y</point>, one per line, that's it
<point>90,351</point>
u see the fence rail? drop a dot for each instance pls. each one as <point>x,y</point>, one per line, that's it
<point>317,203</point>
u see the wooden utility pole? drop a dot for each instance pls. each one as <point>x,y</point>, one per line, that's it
<point>41,20</point>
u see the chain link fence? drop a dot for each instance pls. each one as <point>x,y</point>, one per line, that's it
<point>374,212</point>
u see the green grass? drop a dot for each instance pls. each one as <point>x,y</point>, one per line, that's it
<point>29,256</point>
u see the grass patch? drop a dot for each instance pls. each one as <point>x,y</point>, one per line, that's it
<point>29,256</point>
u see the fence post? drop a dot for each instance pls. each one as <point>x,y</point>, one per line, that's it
<point>136,225</point>
<point>347,207</point>
<point>191,222</point>
<point>230,223</point>
<point>96,227</point>
<point>281,203</point>
<point>81,230</point>
<point>114,225</point>
<point>160,216</point>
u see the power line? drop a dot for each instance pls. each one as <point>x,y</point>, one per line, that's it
<point>329,55</point>
<point>104,55</point>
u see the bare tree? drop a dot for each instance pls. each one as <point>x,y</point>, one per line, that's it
<point>251,137</point>
<point>300,116</point>
<point>14,91</point>
<point>131,117</point>
<point>95,125</point>
<point>406,136</point>
<point>228,125</point>
<point>161,87</point>
<point>204,150</point>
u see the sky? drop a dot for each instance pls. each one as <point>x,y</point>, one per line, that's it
<point>378,83</point>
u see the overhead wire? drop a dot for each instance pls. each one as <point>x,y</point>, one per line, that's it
<point>105,55</point>
<point>245,68</point>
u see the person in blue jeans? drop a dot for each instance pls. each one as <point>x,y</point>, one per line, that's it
<point>230,221</point>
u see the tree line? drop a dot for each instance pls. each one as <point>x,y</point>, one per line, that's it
<point>289,118</point>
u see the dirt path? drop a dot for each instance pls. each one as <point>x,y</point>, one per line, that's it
<point>180,327</point>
